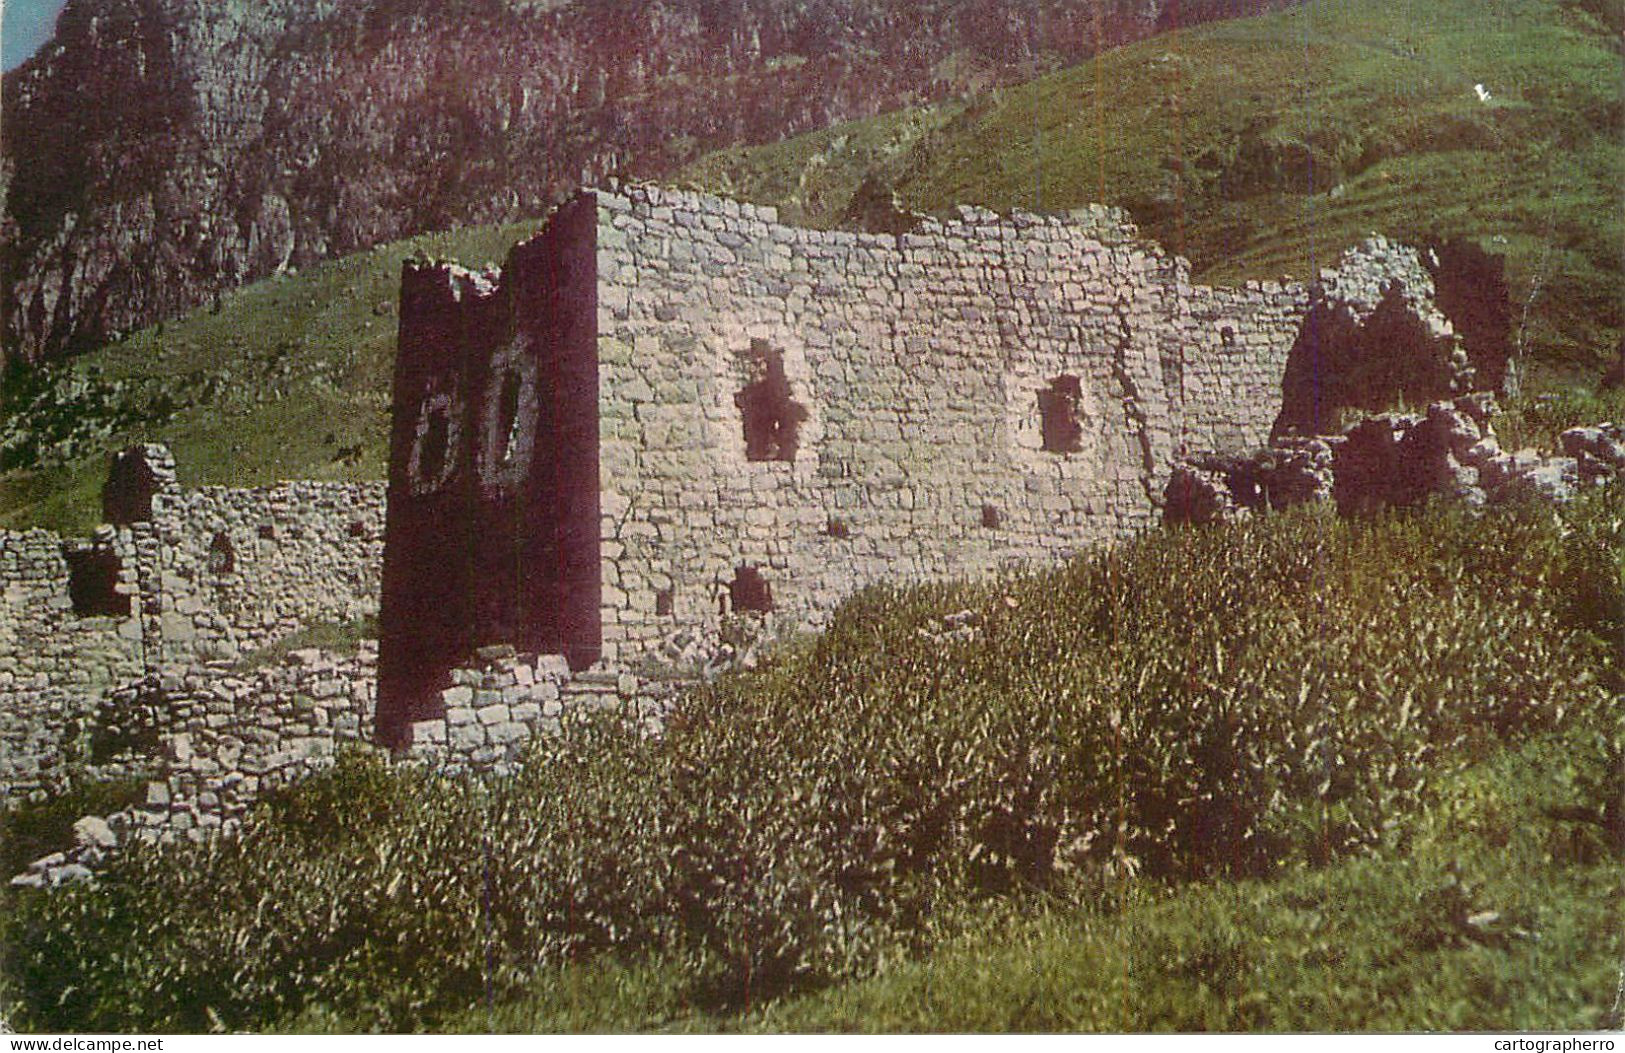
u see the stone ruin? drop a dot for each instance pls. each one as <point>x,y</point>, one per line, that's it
<point>670,411</point>
<point>672,428</point>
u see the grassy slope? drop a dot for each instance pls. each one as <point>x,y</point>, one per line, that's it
<point>1265,146</point>
<point>302,365</point>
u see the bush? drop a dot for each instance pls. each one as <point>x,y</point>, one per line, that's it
<point>1228,701</point>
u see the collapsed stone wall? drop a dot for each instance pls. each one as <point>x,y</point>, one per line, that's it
<point>208,576</point>
<point>772,418</point>
<point>211,739</point>
<point>1396,460</point>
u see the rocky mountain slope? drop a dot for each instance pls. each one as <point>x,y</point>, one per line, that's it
<point>1265,146</point>
<point>161,151</point>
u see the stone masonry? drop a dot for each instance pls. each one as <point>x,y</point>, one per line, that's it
<point>188,579</point>
<point>669,409</point>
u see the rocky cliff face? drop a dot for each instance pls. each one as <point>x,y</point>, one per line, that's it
<point>160,151</point>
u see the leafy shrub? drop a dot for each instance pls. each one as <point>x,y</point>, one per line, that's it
<point>1217,702</point>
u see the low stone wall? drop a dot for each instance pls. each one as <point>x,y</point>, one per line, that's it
<point>494,709</point>
<point>238,569</point>
<point>208,575</point>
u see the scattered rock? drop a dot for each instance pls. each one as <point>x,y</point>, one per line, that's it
<point>93,832</point>
<point>1394,460</point>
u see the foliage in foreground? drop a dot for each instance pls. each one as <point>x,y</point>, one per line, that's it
<point>1386,941</point>
<point>1219,705</point>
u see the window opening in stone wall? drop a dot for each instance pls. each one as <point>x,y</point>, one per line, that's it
<point>508,417</point>
<point>1058,405</point>
<point>665,600</point>
<point>749,591</point>
<point>93,575</point>
<point>222,558</point>
<point>837,528</point>
<point>267,532</point>
<point>772,419</point>
<point>1227,337</point>
<point>991,519</point>
<point>135,477</point>
<point>436,445</point>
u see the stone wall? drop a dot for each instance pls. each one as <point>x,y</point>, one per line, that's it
<point>55,661</point>
<point>228,571</point>
<point>210,576</point>
<point>211,739</point>
<point>785,415</point>
<point>922,363</point>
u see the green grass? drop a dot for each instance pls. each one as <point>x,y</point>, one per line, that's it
<point>1265,146</point>
<point>342,638</point>
<point>1367,944</point>
<point>1539,420</point>
<point>1380,943</point>
<point>281,380</point>
<point>1258,776</point>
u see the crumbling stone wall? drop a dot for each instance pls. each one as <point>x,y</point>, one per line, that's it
<point>1373,337</point>
<point>784,415</point>
<point>227,571</point>
<point>55,661</point>
<point>186,577</point>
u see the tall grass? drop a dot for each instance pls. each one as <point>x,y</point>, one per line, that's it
<point>1215,705</point>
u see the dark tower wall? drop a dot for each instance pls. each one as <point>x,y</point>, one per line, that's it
<point>492,533</point>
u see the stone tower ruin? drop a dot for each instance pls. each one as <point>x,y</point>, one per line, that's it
<point>668,410</point>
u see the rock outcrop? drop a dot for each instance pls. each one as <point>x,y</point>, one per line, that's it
<point>160,151</point>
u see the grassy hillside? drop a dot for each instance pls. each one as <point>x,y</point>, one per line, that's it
<point>1300,773</point>
<point>1265,146</point>
<point>1256,147</point>
<point>286,379</point>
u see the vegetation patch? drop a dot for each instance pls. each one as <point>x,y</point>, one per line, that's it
<point>1218,719</point>
<point>343,638</point>
<point>1265,146</point>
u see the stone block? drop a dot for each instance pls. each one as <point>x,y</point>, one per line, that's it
<point>429,731</point>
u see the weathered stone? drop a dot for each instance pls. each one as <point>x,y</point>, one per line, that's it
<point>92,831</point>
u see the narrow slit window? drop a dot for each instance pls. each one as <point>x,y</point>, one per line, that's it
<point>508,419</point>
<point>436,445</point>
